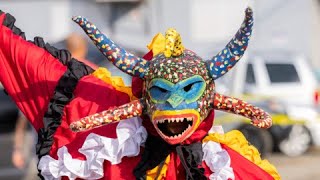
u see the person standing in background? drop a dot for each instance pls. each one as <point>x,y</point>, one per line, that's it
<point>23,155</point>
<point>78,47</point>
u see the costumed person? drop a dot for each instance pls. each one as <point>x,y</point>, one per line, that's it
<point>167,133</point>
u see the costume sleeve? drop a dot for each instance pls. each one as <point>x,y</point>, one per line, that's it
<point>29,73</point>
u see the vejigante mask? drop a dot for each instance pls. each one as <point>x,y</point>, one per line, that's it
<point>179,89</point>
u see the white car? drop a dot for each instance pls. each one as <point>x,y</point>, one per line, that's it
<point>287,78</point>
<point>283,75</point>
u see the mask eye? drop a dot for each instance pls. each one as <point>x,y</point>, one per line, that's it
<point>188,87</point>
<point>194,90</point>
<point>158,89</point>
<point>161,89</point>
<point>159,94</point>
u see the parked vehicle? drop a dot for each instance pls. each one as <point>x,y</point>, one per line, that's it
<point>289,134</point>
<point>284,85</point>
<point>282,75</point>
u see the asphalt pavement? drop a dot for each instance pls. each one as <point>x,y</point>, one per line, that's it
<point>305,167</point>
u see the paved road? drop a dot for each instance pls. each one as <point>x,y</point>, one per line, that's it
<point>305,167</point>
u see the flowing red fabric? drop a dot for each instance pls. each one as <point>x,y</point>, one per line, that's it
<point>244,169</point>
<point>30,75</point>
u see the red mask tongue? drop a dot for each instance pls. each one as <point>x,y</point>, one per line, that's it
<point>173,128</point>
<point>176,128</point>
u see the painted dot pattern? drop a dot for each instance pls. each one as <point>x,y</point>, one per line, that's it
<point>122,59</point>
<point>232,53</point>
<point>176,69</point>
<point>258,117</point>
<point>126,111</point>
<point>175,64</point>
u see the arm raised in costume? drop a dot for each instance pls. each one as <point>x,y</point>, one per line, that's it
<point>28,71</point>
<point>258,116</point>
<point>129,110</point>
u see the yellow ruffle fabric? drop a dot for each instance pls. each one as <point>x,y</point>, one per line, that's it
<point>236,141</point>
<point>115,81</point>
<point>152,174</point>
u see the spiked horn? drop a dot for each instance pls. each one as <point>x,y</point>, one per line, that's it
<point>232,53</point>
<point>258,117</point>
<point>125,61</point>
<point>126,111</point>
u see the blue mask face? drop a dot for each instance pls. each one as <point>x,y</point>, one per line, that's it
<point>183,95</point>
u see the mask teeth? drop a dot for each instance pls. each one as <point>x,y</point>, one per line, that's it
<point>173,120</point>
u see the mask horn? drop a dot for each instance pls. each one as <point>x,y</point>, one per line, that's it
<point>232,53</point>
<point>125,61</point>
<point>258,117</point>
<point>126,111</point>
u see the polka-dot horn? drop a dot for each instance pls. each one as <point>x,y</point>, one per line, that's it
<point>116,114</point>
<point>232,53</point>
<point>125,61</point>
<point>258,117</point>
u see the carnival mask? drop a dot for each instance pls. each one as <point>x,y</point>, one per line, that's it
<point>179,89</point>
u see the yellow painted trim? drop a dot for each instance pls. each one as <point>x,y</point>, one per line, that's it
<point>158,113</point>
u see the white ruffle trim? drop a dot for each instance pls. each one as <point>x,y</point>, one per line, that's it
<point>131,134</point>
<point>217,159</point>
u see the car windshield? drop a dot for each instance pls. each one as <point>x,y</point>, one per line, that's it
<point>282,73</point>
<point>250,77</point>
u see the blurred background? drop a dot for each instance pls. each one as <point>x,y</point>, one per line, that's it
<point>280,71</point>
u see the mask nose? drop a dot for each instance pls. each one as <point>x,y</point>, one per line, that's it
<point>175,99</point>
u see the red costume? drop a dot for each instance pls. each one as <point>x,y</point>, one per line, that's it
<point>53,90</point>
